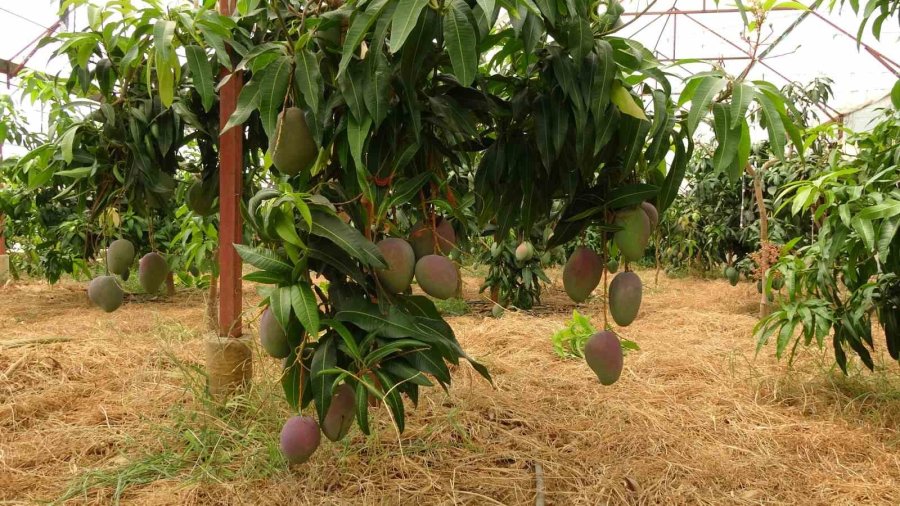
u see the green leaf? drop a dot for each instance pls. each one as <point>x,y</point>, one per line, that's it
<point>353,86</point>
<point>331,255</point>
<point>324,359</point>
<point>308,78</point>
<point>356,137</point>
<point>377,89</point>
<point>359,27</point>
<point>743,153</point>
<point>405,190</point>
<point>248,101</point>
<point>346,336</point>
<point>303,300</point>
<point>286,229</point>
<point>579,38</point>
<point>773,124</point>
<point>66,142</point>
<point>604,75</point>
<point>404,20</point>
<point>393,400</point>
<point>630,195</point>
<point>280,305</point>
<point>866,231</point>
<point>347,238</point>
<point>163,34</point>
<point>706,90</point>
<point>290,381</point>
<point>267,278</point>
<point>405,372</point>
<point>405,345</point>
<point>264,259</point>
<point>727,138</point>
<point>626,102</point>
<point>675,176</point>
<point>367,316</point>
<point>201,74</point>
<point>741,98</point>
<point>459,37</point>
<point>885,209</point>
<point>362,405</point>
<point>273,89</point>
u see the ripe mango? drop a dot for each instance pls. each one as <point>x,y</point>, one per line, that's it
<point>299,439</point>
<point>603,354</point>
<point>581,273</point>
<point>401,261</point>
<point>625,294</point>
<point>437,276</point>
<point>106,293</point>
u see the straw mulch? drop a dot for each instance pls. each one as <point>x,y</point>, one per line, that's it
<point>695,418</point>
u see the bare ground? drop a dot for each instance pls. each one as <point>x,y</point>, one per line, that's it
<point>97,408</point>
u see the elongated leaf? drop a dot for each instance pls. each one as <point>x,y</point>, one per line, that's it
<point>405,372</point>
<point>324,359</point>
<point>347,238</point>
<point>353,86</point>
<point>308,78</point>
<point>773,124</point>
<point>290,381</point>
<point>201,74</point>
<point>280,305</point>
<point>459,37</point>
<point>248,101</point>
<point>404,345</point>
<point>359,27</point>
<point>264,259</point>
<point>630,195</point>
<point>866,231</point>
<point>727,138</point>
<point>266,277</point>
<point>273,88</point>
<point>357,132</point>
<point>741,98</point>
<point>163,34</point>
<point>367,316</point>
<point>362,406</point>
<point>303,300</point>
<point>377,88</point>
<point>743,153</point>
<point>579,38</point>
<point>405,190</point>
<point>404,20</point>
<point>706,90</point>
<point>332,256</point>
<point>393,400</point>
<point>347,337</point>
<point>625,102</point>
<point>675,176</point>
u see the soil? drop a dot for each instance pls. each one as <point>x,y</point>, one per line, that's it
<point>100,408</point>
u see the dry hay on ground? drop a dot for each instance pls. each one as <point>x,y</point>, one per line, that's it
<point>113,413</point>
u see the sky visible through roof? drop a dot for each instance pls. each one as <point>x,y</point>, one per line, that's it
<point>812,49</point>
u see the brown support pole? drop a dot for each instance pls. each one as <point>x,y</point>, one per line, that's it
<point>231,155</point>
<point>229,358</point>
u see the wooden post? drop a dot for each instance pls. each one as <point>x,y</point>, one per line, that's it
<point>229,358</point>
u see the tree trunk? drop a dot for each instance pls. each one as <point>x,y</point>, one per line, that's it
<point>170,284</point>
<point>764,307</point>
